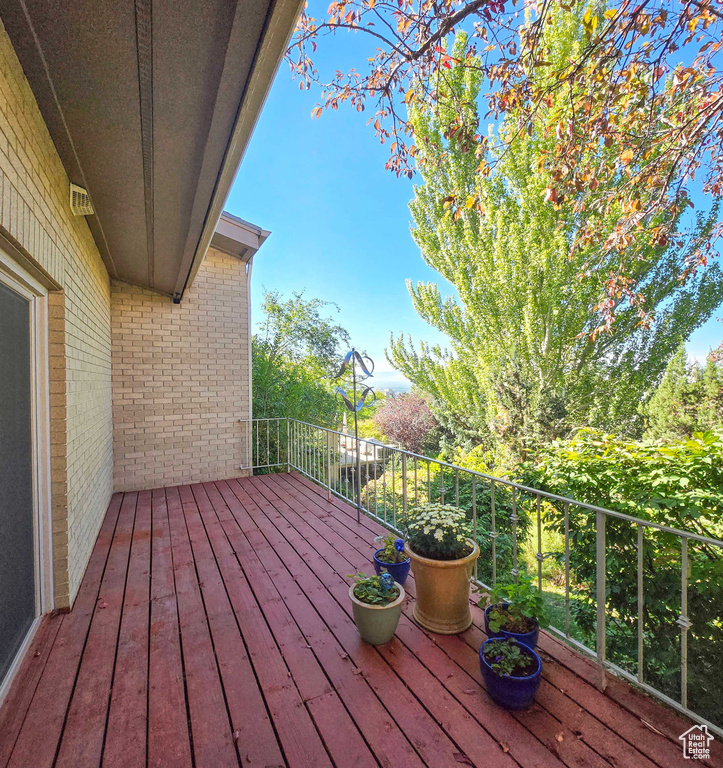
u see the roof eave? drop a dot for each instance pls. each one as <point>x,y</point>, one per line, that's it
<point>279,29</point>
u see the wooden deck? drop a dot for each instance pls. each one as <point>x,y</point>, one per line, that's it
<point>212,630</point>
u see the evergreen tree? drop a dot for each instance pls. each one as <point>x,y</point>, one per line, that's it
<point>525,362</point>
<point>688,399</point>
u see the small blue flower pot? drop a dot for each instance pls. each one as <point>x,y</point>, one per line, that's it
<point>527,638</point>
<point>398,571</point>
<point>507,691</point>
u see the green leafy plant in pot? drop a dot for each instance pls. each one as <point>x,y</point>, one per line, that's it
<point>511,672</point>
<point>516,611</point>
<point>392,558</point>
<point>376,605</point>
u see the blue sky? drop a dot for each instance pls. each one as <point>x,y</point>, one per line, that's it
<point>340,222</point>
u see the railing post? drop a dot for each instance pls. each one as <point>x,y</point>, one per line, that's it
<point>328,466</point>
<point>288,445</point>
<point>493,533</point>
<point>404,488</point>
<point>600,586</point>
<point>514,519</point>
<point>684,622</point>
<point>641,616</point>
<point>567,569</point>
<point>474,519</point>
<point>539,556</point>
<point>357,484</point>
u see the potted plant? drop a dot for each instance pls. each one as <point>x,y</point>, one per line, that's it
<point>516,611</point>
<point>511,672</point>
<point>442,557</point>
<point>392,558</point>
<point>377,606</point>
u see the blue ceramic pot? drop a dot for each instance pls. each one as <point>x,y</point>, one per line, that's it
<point>398,571</point>
<point>507,691</point>
<point>527,638</point>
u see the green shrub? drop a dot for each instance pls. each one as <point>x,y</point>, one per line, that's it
<point>679,485</point>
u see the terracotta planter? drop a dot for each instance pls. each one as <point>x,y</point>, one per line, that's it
<point>377,623</point>
<point>442,604</point>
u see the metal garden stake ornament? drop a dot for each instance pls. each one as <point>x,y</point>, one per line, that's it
<point>366,398</point>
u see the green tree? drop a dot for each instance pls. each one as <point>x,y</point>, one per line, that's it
<point>525,360</point>
<point>688,399</point>
<point>710,414</point>
<point>294,357</point>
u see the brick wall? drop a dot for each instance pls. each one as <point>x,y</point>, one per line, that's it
<point>34,214</point>
<point>181,379</point>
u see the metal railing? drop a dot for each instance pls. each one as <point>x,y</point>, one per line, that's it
<point>510,522</point>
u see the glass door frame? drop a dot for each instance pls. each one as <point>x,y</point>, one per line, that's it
<point>26,285</point>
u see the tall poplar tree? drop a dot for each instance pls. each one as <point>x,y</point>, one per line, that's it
<point>524,360</point>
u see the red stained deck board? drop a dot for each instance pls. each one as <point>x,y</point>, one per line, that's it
<point>212,737</point>
<point>82,741</point>
<point>21,692</point>
<point>299,739</point>
<point>169,744</point>
<point>125,743</point>
<point>253,732</point>
<point>213,628</point>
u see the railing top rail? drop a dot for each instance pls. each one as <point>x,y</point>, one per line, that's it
<point>524,488</point>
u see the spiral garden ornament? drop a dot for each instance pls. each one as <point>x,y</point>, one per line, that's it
<point>366,397</point>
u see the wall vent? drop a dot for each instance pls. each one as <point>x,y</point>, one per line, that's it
<point>80,201</point>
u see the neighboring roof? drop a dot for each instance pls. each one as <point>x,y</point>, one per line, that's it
<point>238,237</point>
<point>151,106</point>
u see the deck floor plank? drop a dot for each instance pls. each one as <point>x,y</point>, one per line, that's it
<point>299,739</point>
<point>125,743</point>
<point>42,728</point>
<point>84,733</point>
<point>169,742</point>
<point>213,629</point>
<point>212,736</point>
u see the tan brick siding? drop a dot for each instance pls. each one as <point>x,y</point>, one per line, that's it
<point>181,379</point>
<point>34,212</point>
